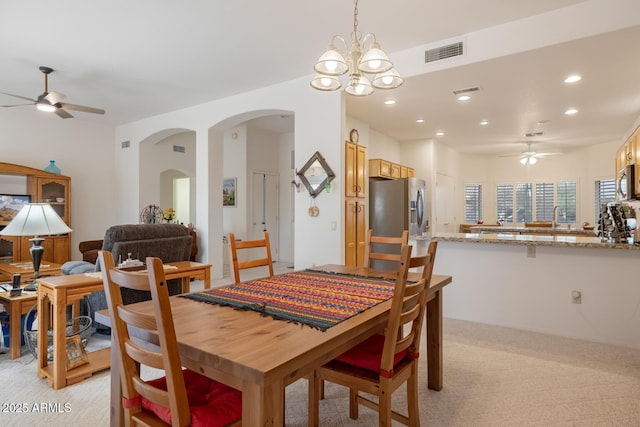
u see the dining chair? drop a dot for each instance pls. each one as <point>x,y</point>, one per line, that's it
<point>180,397</point>
<point>383,362</point>
<point>236,245</point>
<point>369,255</point>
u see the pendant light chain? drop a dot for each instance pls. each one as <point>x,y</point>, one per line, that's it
<point>355,35</point>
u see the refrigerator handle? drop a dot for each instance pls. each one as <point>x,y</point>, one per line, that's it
<point>420,207</point>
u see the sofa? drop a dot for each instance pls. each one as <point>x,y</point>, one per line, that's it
<point>169,242</point>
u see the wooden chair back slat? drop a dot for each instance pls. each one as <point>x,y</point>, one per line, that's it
<point>238,265</point>
<point>131,355</point>
<point>371,240</point>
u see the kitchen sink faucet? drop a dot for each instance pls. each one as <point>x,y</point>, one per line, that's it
<point>557,210</point>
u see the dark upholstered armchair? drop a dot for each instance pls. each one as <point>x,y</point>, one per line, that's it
<point>169,242</point>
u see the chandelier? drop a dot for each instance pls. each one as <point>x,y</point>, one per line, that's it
<point>357,62</point>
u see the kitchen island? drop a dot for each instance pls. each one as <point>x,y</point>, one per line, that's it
<point>573,286</point>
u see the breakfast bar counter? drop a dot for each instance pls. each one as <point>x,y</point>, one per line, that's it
<point>535,240</point>
<point>572,286</point>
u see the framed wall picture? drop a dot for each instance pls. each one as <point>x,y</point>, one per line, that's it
<point>10,205</point>
<point>229,192</point>
<point>76,355</point>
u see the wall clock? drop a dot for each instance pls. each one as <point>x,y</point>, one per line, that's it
<point>354,136</point>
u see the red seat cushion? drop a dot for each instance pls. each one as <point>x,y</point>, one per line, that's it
<point>211,403</point>
<point>368,354</point>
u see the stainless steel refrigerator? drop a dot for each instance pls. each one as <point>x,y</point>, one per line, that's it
<point>396,205</point>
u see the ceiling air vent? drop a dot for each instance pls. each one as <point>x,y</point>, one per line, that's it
<point>125,144</point>
<point>532,134</point>
<point>444,52</point>
<point>178,149</point>
<point>466,90</point>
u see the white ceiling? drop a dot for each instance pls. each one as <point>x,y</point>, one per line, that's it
<point>137,59</point>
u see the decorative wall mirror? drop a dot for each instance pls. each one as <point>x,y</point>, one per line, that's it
<point>316,174</point>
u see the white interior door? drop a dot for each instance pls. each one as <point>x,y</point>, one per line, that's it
<point>445,199</point>
<point>264,209</point>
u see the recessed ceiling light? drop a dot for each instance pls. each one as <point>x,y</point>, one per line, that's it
<point>464,98</point>
<point>420,121</point>
<point>573,78</point>
<point>484,122</point>
<point>440,133</point>
<point>389,101</point>
<point>571,111</point>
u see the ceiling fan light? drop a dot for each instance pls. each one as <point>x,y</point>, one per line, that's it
<point>359,86</point>
<point>375,60</point>
<point>331,63</point>
<point>388,80</point>
<point>326,83</point>
<point>43,106</point>
<point>532,160</point>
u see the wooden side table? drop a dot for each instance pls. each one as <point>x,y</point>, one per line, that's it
<point>25,269</point>
<point>54,294</point>
<point>16,307</point>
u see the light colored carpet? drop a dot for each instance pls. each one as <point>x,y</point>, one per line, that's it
<point>493,376</point>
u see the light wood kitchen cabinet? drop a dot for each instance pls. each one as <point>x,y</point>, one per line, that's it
<point>355,202</point>
<point>355,170</point>
<point>395,170</point>
<point>355,232</point>
<point>406,172</point>
<point>379,168</point>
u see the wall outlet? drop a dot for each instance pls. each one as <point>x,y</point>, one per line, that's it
<point>531,251</point>
<point>576,297</point>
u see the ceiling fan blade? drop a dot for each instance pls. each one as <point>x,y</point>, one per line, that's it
<point>63,114</point>
<point>81,108</point>
<point>54,97</point>
<point>18,96</point>
<point>14,105</point>
<point>548,154</point>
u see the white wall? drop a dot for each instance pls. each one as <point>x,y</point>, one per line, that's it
<point>83,150</point>
<point>158,157</point>
<point>234,165</point>
<point>319,121</point>
<point>287,196</point>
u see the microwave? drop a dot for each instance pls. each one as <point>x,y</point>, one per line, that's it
<point>625,184</point>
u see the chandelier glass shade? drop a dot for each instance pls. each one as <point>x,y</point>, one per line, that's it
<point>355,61</point>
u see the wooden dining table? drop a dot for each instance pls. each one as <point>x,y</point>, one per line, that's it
<point>261,356</point>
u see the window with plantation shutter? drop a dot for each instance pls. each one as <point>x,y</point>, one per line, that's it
<point>505,202</point>
<point>566,199</point>
<point>473,202</point>
<point>544,201</point>
<point>605,193</point>
<point>517,203</point>
<point>524,203</point>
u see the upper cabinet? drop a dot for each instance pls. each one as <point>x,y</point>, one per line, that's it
<point>53,190</point>
<point>629,154</point>
<point>355,170</point>
<point>380,168</point>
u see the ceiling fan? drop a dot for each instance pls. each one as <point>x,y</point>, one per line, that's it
<point>51,101</point>
<point>530,157</point>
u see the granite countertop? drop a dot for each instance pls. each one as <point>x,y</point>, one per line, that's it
<point>532,230</point>
<point>516,239</point>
